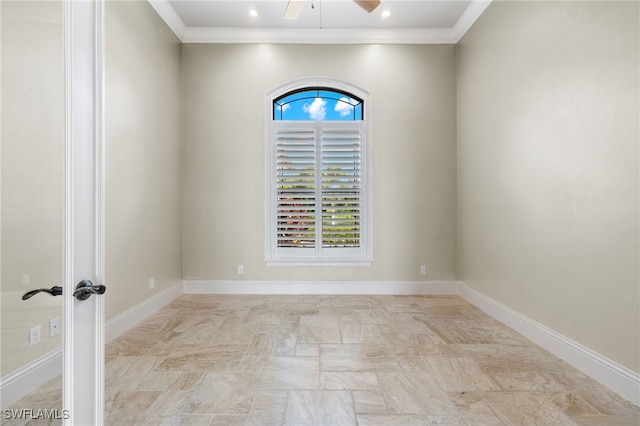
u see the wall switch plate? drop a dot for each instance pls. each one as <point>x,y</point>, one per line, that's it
<point>34,335</point>
<point>54,327</point>
<point>423,270</point>
<point>152,283</point>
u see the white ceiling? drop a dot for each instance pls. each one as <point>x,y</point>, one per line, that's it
<point>321,21</point>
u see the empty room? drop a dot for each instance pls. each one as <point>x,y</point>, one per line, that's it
<point>329,212</point>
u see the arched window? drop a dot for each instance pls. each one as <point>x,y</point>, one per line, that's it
<point>318,103</point>
<point>318,209</point>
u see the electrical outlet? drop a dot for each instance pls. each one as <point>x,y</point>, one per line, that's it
<point>26,279</point>
<point>152,283</point>
<point>240,269</point>
<point>423,270</point>
<point>54,327</point>
<point>34,335</point>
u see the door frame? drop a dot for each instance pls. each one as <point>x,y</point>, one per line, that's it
<point>84,229</point>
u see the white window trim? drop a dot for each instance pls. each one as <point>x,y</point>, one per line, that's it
<point>366,257</point>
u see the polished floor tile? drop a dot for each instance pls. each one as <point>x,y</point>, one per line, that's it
<point>320,408</point>
<point>338,360</point>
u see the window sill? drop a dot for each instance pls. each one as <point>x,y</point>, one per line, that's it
<point>318,262</point>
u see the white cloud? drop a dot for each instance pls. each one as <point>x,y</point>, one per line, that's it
<point>285,107</point>
<point>345,107</point>
<point>317,110</point>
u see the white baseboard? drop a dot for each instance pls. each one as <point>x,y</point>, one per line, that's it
<point>30,377</point>
<point>319,287</point>
<point>33,375</point>
<point>616,377</point>
<point>133,316</point>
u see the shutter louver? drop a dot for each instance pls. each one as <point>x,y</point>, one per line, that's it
<point>341,187</point>
<point>296,188</point>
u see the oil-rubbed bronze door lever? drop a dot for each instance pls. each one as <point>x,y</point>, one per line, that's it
<point>85,289</point>
<point>54,291</point>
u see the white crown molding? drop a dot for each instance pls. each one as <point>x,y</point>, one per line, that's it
<point>469,17</point>
<point>169,16</point>
<point>320,36</point>
<point>616,377</point>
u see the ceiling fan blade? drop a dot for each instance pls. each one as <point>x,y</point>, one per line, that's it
<point>294,8</point>
<point>368,5</point>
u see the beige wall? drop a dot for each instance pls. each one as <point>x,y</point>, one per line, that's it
<point>414,154</point>
<point>544,175</point>
<point>548,167</point>
<point>32,175</point>
<point>143,155</point>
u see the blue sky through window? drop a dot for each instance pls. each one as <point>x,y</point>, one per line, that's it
<point>317,104</point>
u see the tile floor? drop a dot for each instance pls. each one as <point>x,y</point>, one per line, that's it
<point>342,360</point>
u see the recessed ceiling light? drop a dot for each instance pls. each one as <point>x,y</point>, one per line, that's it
<point>386,14</point>
<point>253,13</point>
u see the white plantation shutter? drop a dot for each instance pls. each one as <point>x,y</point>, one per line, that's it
<point>317,175</point>
<point>341,186</point>
<point>295,161</point>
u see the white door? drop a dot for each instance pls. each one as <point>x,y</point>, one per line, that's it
<point>52,207</point>
<point>83,370</point>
